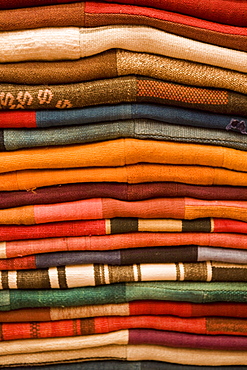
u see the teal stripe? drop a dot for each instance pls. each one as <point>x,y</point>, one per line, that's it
<point>120,293</point>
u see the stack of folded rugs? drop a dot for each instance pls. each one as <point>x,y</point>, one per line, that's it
<point>123,184</point>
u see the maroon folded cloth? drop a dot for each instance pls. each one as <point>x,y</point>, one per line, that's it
<point>121,191</point>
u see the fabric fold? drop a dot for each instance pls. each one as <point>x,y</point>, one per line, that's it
<point>121,152</point>
<point>132,353</point>
<point>72,43</point>
<point>188,253</point>
<point>158,214</point>
<point>136,129</point>
<point>120,241</point>
<point>100,325</point>
<point>124,292</point>
<point>117,63</point>
<point>92,14</point>
<point>66,277</point>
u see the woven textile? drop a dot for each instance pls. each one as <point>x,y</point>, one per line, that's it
<point>111,226</point>
<point>91,14</point>
<point>121,191</point>
<point>162,113</point>
<point>121,152</point>
<point>121,337</point>
<point>120,241</point>
<point>131,353</point>
<point>135,308</point>
<point>99,325</point>
<point>117,63</point>
<point>92,275</point>
<point>72,43</point>
<point>138,129</point>
<point>231,12</point>
<point>127,256</point>
<point>126,365</point>
<point>196,292</point>
<point>121,90</point>
<point>140,211</point>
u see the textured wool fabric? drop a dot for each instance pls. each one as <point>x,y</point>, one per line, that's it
<point>120,337</point>
<point>229,12</point>
<point>138,129</point>
<point>120,241</point>
<point>133,174</point>
<point>219,310</point>
<point>99,325</point>
<point>115,225</point>
<point>196,292</point>
<point>162,113</point>
<point>92,14</point>
<point>127,256</point>
<point>98,274</point>
<point>126,365</point>
<point>122,152</point>
<point>146,215</point>
<point>72,43</point>
<point>121,191</point>
<point>121,90</point>
<point>131,352</point>
<point>117,63</point>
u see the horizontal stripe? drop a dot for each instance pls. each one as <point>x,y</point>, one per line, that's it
<point>133,353</point>
<point>123,152</point>
<point>122,241</point>
<point>181,309</point>
<point>100,325</point>
<point>128,256</point>
<point>123,365</point>
<point>71,43</point>
<point>118,63</point>
<point>158,214</point>
<point>124,191</point>
<point>136,129</point>
<point>93,274</point>
<point>127,89</point>
<point>131,336</point>
<point>91,14</point>
<point>162,113</point>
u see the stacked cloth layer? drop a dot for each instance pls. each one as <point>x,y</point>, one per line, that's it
<point>123,185</point>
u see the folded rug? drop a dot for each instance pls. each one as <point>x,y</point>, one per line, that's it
<point>124,337</point>
<point>122,152</point>
<point>101,113</point>
<point>136,129</point>
<point>121,90</point>
<point>98,274</point>
<point>133,174</point>
<point>130,352</point>
<point>229,12</point>
<point>135,308</point>
<point>126,256</point>
<point>133,353</point>
<point>71,43</point>
<point>120,241</point>
<point>145,215</point>
<point>125,365</point>
<point>121,191</point>
<point>99,325</point>
<point>197,292</point>
<point>117,63</point>
<point>92,14</point>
